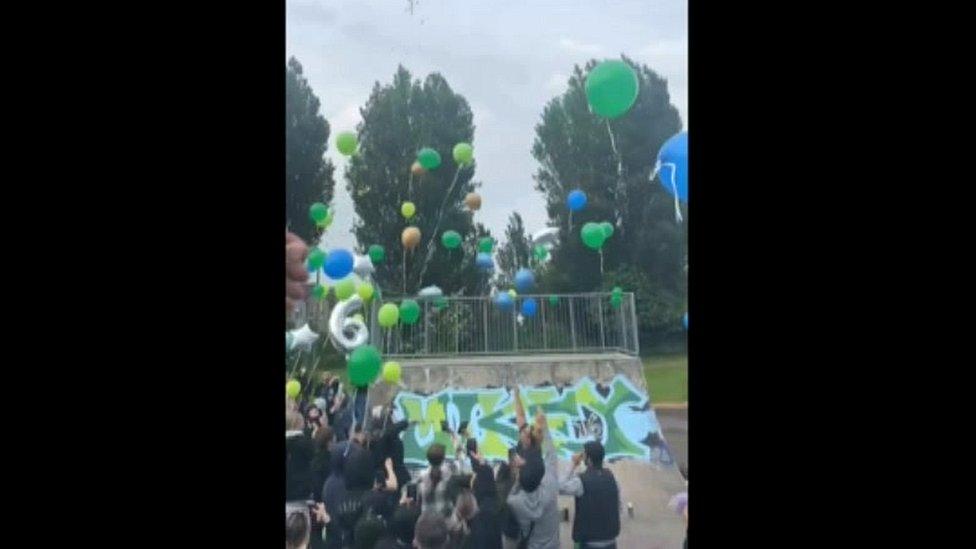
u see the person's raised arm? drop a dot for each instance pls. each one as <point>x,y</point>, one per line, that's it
<point>572,485</point>
<point>519,410</point>
<point>391,479</point>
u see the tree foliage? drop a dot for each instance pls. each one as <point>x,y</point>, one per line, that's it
<point>399,119</point>
<point>576,149</point>
<point>308,174</point>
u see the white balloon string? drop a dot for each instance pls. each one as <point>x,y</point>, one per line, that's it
<point>433,237</point>
<point>601,262</point>
<point>616,154</point>
<point>674,189</point>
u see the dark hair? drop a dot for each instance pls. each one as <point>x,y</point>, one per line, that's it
<point>323,437</point>
<point>296,530</point>
<point>530,477</point>
<point>403,522</point>
<point>435,456</point>
<point>368,531</point>
<point>594,452</point>
<point>431,531</point>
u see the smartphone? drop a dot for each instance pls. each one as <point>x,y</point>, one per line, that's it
<point>472,446</point>
<point>412,491</point>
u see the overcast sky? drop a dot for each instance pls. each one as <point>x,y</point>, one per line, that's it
<point>507,57</point>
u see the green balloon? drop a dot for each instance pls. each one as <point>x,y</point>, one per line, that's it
<point>463,154</point>
<point>409,311</point>
<point>451,239</point>
<point>617,290</point>
<point>320,291</point>
<point>346,143</point>
<point>365,291</point>
<point>607,229</point>
<point>485,244</point>
<point>293,388</point>
<point>429,158</point>
<point>345,288</point>
<point>541,252</point>
<point>388,315</point>
<point>364,365</point>
<point>377,254</point>
<point>553,300</point>
<point>611,88</point>
<point>440,302</point>
<point>318,212</point>
<point>615,301</point>
<point>316,258</point>
<point>592,234</point>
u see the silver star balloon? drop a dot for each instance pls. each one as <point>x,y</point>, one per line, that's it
<point>363,266</point>
<point>303,338</point>
<point>430,292</point>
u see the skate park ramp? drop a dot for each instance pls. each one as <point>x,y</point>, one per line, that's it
<point>584,396</point>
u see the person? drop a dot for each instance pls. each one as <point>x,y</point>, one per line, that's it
<point>486,532</point>
<point>431,532</point>
<point>459,524</point>
<point>505,478</point>
<point>533,499</point>
<point>296,275</point>
<point>358,476</point>
<point>529,435</point>
<point>596,523</point>
<point>313,420</point>
<point>400,532</point>
<point>320,470</point>
<point>433,482</point>
<point>298,460</point>
<point>382,500</point>
<point>296,531</point>
<point>334,492</point>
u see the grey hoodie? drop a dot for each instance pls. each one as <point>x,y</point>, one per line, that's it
<point>540,506</point>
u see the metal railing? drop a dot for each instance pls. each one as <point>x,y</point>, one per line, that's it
<point>569,323</point>
<point>563,323</point>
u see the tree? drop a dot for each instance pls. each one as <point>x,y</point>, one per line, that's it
<point>515,252</point>
<point>399,119</point>
<point>575,150</point>
<point>308,174</point>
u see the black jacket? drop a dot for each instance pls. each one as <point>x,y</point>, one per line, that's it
<point>298,467</point>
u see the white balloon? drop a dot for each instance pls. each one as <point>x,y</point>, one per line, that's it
<point>430,292</point>
<point>548,237</point>
<point>363,266</point>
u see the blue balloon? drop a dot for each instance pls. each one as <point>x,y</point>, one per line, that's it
<point>485,262</point>
<point>524,281</point>
<point>338,264</point>
<point>576,200</point>
<point>673,172</point>
<point>529,307</point>
<point>685,321</point>
<point>504,301</point>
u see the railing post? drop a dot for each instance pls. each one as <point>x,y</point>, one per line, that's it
<point>603,338</point>
<point>623,329</point>
<point>457,328</point>
<point>572,321</point>
<point>484,323</point>
<point>514,326</point>
<point>545,344</point>
<point>633,323</point>
<point>426,333</point>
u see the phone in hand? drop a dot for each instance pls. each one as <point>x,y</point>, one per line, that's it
<point>412,492</point>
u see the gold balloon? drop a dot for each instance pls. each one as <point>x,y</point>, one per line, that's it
<point>417,169</point>
<point>473,201</point>
<point>410,237</point>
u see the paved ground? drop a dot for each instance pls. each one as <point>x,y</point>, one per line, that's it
<point>674,423</point>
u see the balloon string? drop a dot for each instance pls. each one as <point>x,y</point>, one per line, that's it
<point>405,250</point>
<point>601,262</point>
<point>410,185</point>
<point>437,225</point>
<point>674,189</point>
<point>616,154</point>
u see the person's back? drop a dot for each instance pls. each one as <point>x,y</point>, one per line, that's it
<point>596,523</point>
<point>433,483</point>
<point>533,500</point>
<point>298,460</point>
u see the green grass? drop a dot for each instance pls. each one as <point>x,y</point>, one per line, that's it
<point>667,378</point>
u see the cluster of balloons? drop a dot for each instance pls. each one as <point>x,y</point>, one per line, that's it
<point>321,215</point>
<point>408,312</point>
<point>595,234</point>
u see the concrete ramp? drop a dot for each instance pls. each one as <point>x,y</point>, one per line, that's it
<point>584,397</point>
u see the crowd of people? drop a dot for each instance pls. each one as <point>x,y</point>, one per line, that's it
<point>347,485</point>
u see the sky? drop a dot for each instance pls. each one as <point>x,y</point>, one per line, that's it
<point>508,58</point>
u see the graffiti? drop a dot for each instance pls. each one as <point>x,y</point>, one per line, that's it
<point>617,414</point>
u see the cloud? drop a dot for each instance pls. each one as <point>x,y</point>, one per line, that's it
<point>579,47</point>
